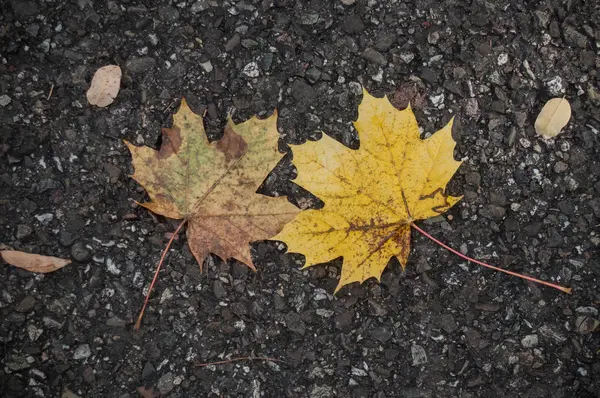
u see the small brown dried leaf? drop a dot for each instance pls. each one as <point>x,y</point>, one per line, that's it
<point>105,86</point>
<point>33,262</point>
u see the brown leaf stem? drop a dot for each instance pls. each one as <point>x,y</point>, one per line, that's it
<point>138,324</point>
<point>239,359</point>
<point>529,278</point>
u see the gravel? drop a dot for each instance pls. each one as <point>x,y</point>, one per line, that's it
<point>438,328</point>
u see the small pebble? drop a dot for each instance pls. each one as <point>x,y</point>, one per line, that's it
<point>4,100</point>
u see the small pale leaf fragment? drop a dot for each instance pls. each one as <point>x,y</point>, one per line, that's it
<point>553,118</point>
<point>105,86</point>
<point>33,262</point>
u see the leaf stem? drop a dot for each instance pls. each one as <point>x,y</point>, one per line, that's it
<point>138,324</point>
<point>529,278</point>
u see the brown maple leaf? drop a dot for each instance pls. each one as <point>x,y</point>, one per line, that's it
<point>212,186</point>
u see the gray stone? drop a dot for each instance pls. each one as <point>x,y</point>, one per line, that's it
<point>560,167</point>
<point>249,43</point>
<point>433,37</point>
<point>165,383</point>
<point>554,29</point>
<point>266,61</point>
<point>33,29</point>
<point>82,352</point>
<point>4,100</point>
<point>207,66</point>
<point>295,323</point>
<point>218,289</point>
<point>140,64</point>
<point>309,18</point>
<point>116,322</point>
<point>429,75</point>
<point>551,332</point>
<point>23,8</point>
<point>17,363</point>
<point>472,107</point>
<point>114,172</point>
<point>232,43</point>
<point>251,70</point>
<point>543,18</point>
<point>200,5</point>
<point>586,324</point>
<point>497,212</point>
<point>447,322</point>
<point>374,56</point>
<point>303,92</point>
<point>343,321</point>
<point>80,253</point>
<point>148,371</point>
<point>65,238</point>
<point>353,24</point>
<point>530,341</point>
<point>595,206</point>
<point>381,333</point>
<point>313,74</point>
<point>168,14</point>
<point>385,41</point>
<point>26,304</point>
<point>321,392</point>
<point>88,375</point>
<point>419,356</point>
<point>574,38</point>
<point>473,178</point>
<point>23,231</point>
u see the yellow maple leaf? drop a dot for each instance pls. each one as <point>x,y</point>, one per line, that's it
<point>372,195</point>
<point>212,186</point>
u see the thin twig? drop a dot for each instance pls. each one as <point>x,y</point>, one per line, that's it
<point>169,106</point>
<point>138,324</point>
<point>529,278</point>
<point>240,359</point>
<point>50,93</point>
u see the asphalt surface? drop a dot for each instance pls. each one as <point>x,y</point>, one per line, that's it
<point>442,328</point>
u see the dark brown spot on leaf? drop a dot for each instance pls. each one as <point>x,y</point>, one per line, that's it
<point>171,141</point>
<point>232,144</point>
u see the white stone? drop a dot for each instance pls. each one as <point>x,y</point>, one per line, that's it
<point>555,85</point>
<point>502,59</point>
<point>112,267</point>
<point>44,218</point>
<point>251,70</point>
<point>407,57</point>
<point>82,352</point>
<point>358,372</point>
<point>529,341</point>
<point>437,100</point>
<point>207,66</point>
<point>419,356</point>
<point>324,313</point>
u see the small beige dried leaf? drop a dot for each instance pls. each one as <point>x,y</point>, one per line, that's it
<point>105,86</point>
<point>33,262</point>
<point>554,116</point>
